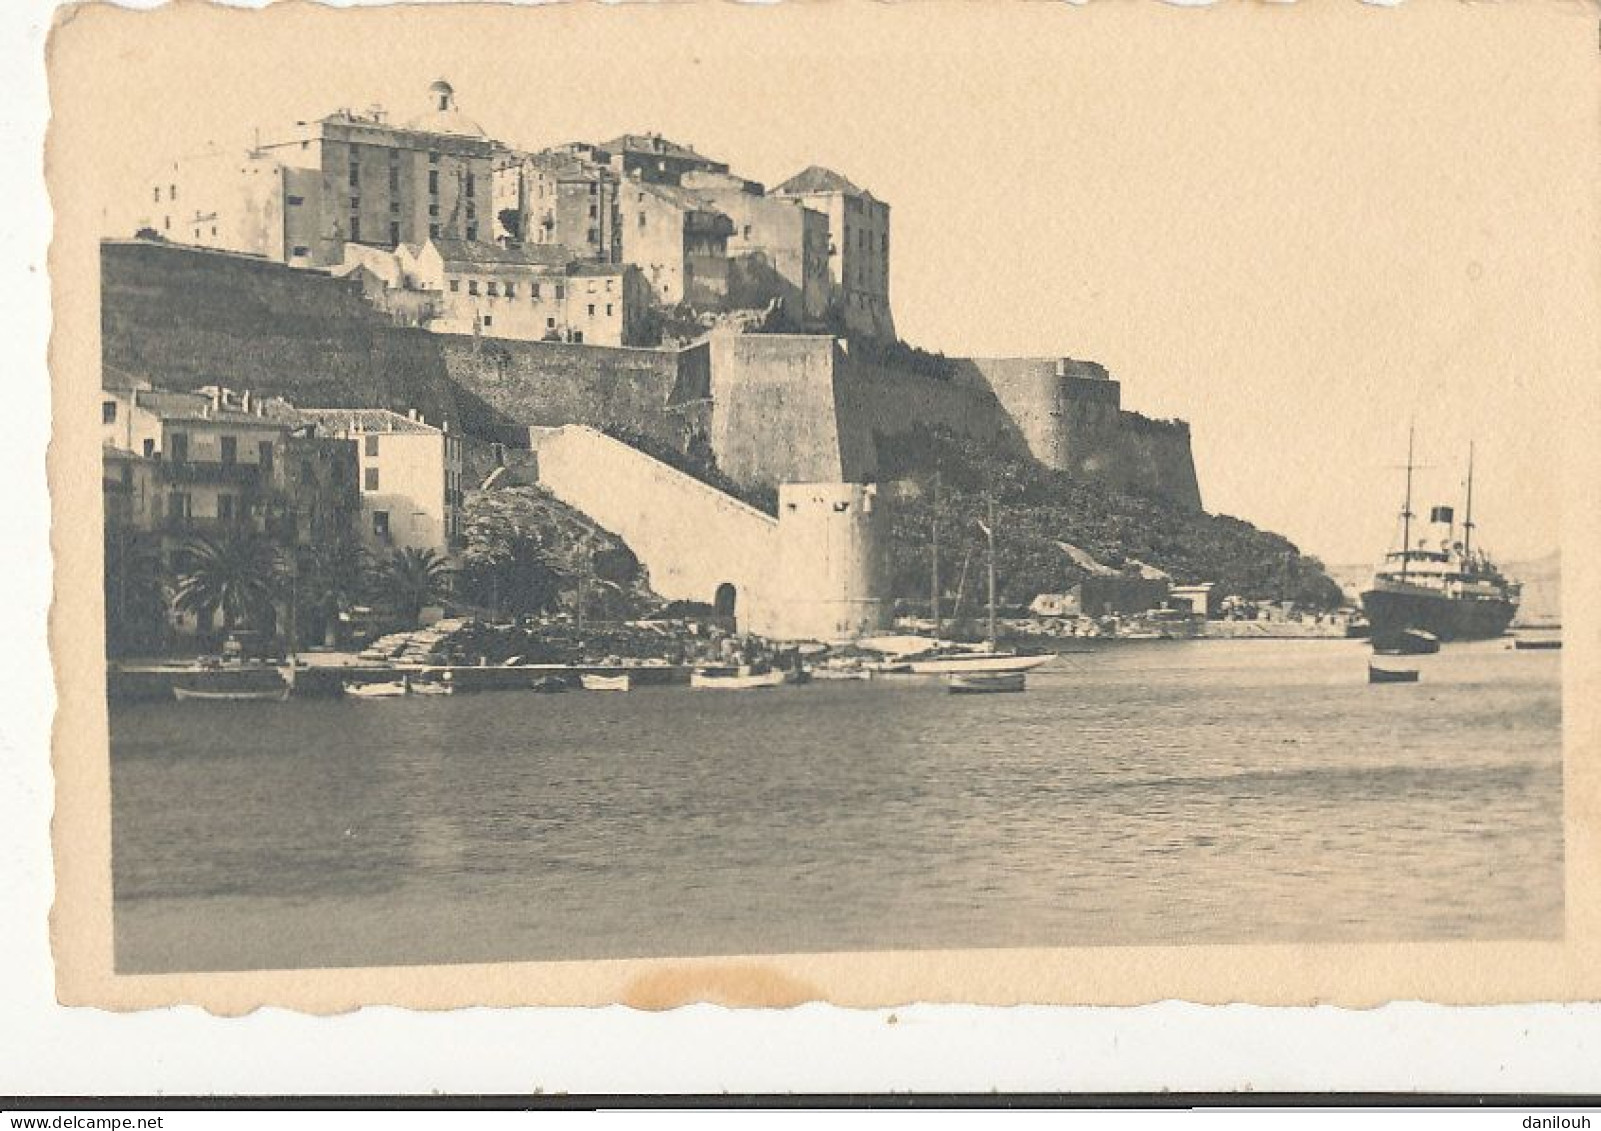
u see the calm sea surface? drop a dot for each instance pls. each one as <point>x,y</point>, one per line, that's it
<point>1143,794</point>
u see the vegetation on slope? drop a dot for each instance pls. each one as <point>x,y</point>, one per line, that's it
<point>934,473</point>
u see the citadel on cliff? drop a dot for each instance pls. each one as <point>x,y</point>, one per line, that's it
<point>595,306</point>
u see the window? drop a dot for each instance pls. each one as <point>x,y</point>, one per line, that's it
<point>213,231</point>
<point>593,211</point>
<point>355,204</point>
<point>433,231</point>
<point>511,290</point>
<point>172,192</point>
<point>149,448</point>
<point>158,194</point>
<point>108,412</point>
<point>489,320</point>
<point>494,289</point>
<point>370,446</point>
<point>472,231</point>
<point>380,524</point>
<point>355,228</point>
<point>355,174</point>
<point>178,504</point>
<point>641,219</point>
<point>370,479</point>
<point>578,336</point>
<point>550,323</point>
<point>301,251</point>
<point>225,510</point>
<point>472,183</point>
<point>533,291</point>
<point>178,447</point>
<point>394,231</point>
<point>594,235</point>
<point>610,285</point>
<point>472,286</point>
<point>433,159</point>
<point>471,210</point>
<point>593,188</point>
<point>433,210</point>
<point>455,285</point>
<point>561,291</point>
<point>264,453</point>
<point>592,310</point>
<point>883,243</point>
<point>608,310</point>
<point>433,181</point>
<point>394,178</point>
<point>394,207</point>
<point>230,449</point>
<point>747,231</point>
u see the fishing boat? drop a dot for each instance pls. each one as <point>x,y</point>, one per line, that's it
<point>984,683</point>
<point>1409,642</point>
<point>743,679</point>
<point>623,682</point>
<point>241,695</point>
<point>1377,674</point>
<point>1440,585</point>
<point>383,689</point>
<point>441,686</point>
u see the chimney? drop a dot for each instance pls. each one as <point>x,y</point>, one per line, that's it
<point>411,414</point>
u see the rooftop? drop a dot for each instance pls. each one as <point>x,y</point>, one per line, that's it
<point>817,179</point>
<point>349,419</point>
<point>464,253</point>
<point>657,146</point>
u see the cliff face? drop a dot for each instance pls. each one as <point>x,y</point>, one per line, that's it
<point>770,408</point>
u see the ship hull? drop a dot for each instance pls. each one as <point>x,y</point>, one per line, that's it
<point>1393,611</point>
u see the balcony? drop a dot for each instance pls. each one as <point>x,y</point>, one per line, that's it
<point>232,474</point>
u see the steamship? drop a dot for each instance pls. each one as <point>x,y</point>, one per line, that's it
<point>1441,585</point>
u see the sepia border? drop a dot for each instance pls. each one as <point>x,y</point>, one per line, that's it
<point>85,39</point>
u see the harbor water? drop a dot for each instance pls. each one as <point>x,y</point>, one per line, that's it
<point>1163,793</point>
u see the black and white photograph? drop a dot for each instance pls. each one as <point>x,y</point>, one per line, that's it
<point>699,484</point>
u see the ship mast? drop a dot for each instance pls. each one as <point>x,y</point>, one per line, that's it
<point>989,534</point>
<point>1406,509</point>
<point>933,588</point>
<point>1467,523</point>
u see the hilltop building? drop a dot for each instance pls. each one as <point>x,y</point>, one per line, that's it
<point>858,225</point>
<point>347,178</point>
<point>678,241</point>
<point>651,158</point>
<point>567,197</point>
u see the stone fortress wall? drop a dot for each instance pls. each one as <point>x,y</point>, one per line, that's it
<point>771,408</point>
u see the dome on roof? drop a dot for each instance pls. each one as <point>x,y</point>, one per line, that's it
<point>442,116</point>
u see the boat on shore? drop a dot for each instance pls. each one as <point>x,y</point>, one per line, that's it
<point>592,682</point>
<point>1440,585</point>
<point>238,695</point>
<point>382,689</point>
<point>1379,674</point>
<point>986,683</point>
<point>713,679</point>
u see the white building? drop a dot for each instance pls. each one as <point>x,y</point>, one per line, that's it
<point>410,475</point>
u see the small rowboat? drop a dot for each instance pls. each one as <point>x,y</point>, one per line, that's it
<point>622,682</point>
<point>258,695</point>
<point>984,683</point>
<point>734,681</point>
<point>1376,674</point>
<point>387,689</point>
<point>433,687</point>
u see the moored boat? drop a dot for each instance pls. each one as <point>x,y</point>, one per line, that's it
<point>441,686</point>
<point>832,674</point>
<point>1378,674</point>
<point>592,682</point>
<point>222,695</point>
<point>713,679</point>
<point>1440,585</point>
<point>548,684</point>
<point>1410,642</point>
<point>975,663</point>
<point>981,683</point>
<point>1539,645</point>
<point>383,689</point>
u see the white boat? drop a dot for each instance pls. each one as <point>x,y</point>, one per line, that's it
<point>622,682</point>
<point>432,687</point>
<point>972,663</point>
<point>827,673</point>
<point>385,690</point>
<point>710,680</point>
<point>261,695</point>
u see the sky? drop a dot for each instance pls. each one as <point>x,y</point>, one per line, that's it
<point>1301,229</point>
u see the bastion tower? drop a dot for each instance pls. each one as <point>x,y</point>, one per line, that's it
<point>832,561</point>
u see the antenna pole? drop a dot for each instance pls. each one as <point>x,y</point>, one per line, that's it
<point>1467,523</point>
<point>933,594</point>
<point>989,532</point>
<point>1406,510</point>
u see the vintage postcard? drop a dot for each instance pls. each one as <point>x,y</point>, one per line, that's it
<point>853,502</point>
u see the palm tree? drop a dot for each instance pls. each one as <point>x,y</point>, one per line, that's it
<point>332,578</point>
<point>413,578</point>
<point>236,575</point>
